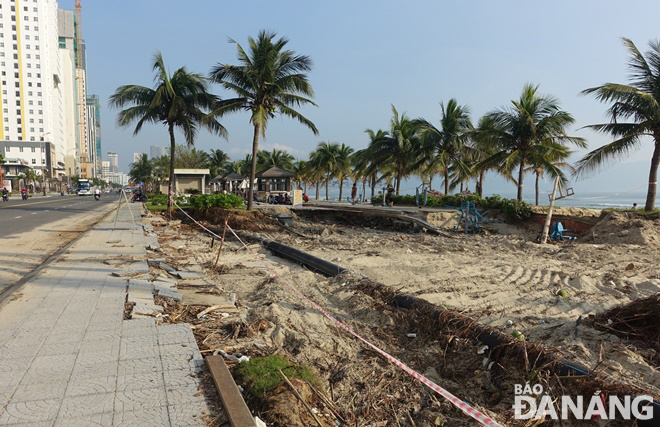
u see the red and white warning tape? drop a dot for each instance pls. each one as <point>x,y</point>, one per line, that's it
<point>463,406</point>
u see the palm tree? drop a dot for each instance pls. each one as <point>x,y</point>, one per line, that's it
<point>324,159</point>
<point>400,148</point>
<point>218,160</point>
<point>159,170</point>
<point>638,102</point>
<point>279,158</point>
<point>448,143</point>
<point>301,170</point>
<point>269,79</point>
<point>555,158</point>
<point>141,170</point>
<point>179,101</point>
<point>366,158</point>
<point>531,132</point>
<point>343,165</point>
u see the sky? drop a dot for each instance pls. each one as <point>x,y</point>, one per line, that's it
<point>370,55</point>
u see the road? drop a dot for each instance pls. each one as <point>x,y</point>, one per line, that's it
<point>34,229</point>
<point>18,216</point>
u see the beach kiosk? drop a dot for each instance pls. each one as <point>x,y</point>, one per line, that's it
<point>273,180</point>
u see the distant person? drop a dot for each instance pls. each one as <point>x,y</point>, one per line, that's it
<point>305,197</point>
<point>634,205</point>
<point>389,198</point>
<point>354,193</point>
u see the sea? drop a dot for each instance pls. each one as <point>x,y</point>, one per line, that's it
<point>593,200</point>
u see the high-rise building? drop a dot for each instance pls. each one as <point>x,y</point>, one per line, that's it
<point>32,124</point>
<point>94,134</point>
<point>137,156</point>
<point>155,151</point>
<point>114,161</point>
<point>67,56</point>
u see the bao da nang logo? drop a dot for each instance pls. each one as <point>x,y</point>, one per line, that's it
<point>532,402</point>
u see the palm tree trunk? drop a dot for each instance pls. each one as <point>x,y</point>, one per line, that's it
<point>538,175</point>
<point>398,181</point>
<point>327,180</point>
<point>461,186</point>
<point>364,188</point>
<point>446,182</point>
<point>481,183</point>
<point>171,187</point>
<point>253,166</point>
<point>341,186</point>
<point>431,182</point>
<point>520,180</point>
<point>653,177</point>
<point>373,186</point>
<point>317,189</point>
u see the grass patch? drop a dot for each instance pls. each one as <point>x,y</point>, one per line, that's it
<point>261,376</point>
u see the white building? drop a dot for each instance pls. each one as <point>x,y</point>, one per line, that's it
<point>67,55</point>
<point>138,156</point>
<point>32,109</point>
<point>94,134</point>
<point>114,161</point>
<point>155,152</point>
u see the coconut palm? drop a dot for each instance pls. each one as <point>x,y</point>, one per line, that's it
<point>399,148</point>
<point>279,158</point>
<point>638,102</point>
<point>301,170</point>
<point>529,133</point>
<point>324,159</point>
<point>447,144</point>
<point>342,165</point>
<point>141,170</point>
<point>373,168</point>
<point>270,79</point>
<point>218,160</point>
<point>160,168</point>
<point>180,100</point>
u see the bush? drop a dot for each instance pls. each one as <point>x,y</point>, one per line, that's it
<point>512,208</point>
<point>204,201</point>
<point>192,191</point>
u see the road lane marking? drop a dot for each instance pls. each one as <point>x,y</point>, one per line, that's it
<point>18,217</point>
<point>33,213</point>
<point>23,205</point>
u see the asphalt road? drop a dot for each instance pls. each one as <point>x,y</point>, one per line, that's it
<point>18,216</point>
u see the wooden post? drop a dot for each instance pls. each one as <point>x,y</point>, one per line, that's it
<point>224,232</point>
<point>548,218</point>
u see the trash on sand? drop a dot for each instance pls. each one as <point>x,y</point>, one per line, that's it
<point>411,335</point>
<point>257,420</point>
<point>224,314</point>
<point>482,350</point>
<point>518,335</point>
<point>509,322</point>
<point>562,293</point>
<point>243,359</point>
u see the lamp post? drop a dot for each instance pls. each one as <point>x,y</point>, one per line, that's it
<point>44,163</point>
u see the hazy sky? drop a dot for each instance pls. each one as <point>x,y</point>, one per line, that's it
<point>370,54</point>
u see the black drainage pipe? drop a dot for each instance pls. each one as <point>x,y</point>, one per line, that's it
<point>489,338</point>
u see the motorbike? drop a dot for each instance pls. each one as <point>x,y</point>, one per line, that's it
<point>97,197</point>
<point>138,198</point>
<point>24,195</point>
<point>5,197</point>
<point>62,193</point>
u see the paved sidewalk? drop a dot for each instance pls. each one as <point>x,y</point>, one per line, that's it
<point>67,357</point>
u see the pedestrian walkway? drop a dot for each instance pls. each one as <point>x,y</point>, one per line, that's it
<point>67,357</point>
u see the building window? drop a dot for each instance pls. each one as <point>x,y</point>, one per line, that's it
<point>20,149</point>
<point>34,149</point>
<point>34,161</point>
<point>31,138</point>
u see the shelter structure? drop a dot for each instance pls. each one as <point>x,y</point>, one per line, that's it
<point>187,181</point>
<point>274,180</point>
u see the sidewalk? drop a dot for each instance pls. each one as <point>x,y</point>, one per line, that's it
<point>67,357</point>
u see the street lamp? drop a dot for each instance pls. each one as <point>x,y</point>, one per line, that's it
<point>44,163</point>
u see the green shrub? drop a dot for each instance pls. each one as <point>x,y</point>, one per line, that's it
<point>192,191</point>
<point>226,201</point>
<point>261,374</point>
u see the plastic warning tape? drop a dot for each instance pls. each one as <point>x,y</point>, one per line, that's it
<point>463,406</point>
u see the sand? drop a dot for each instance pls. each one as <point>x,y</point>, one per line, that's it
<point>510,282</point>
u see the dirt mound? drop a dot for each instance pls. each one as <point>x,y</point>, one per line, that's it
<point>569,211</point>
<point>629,228</point>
